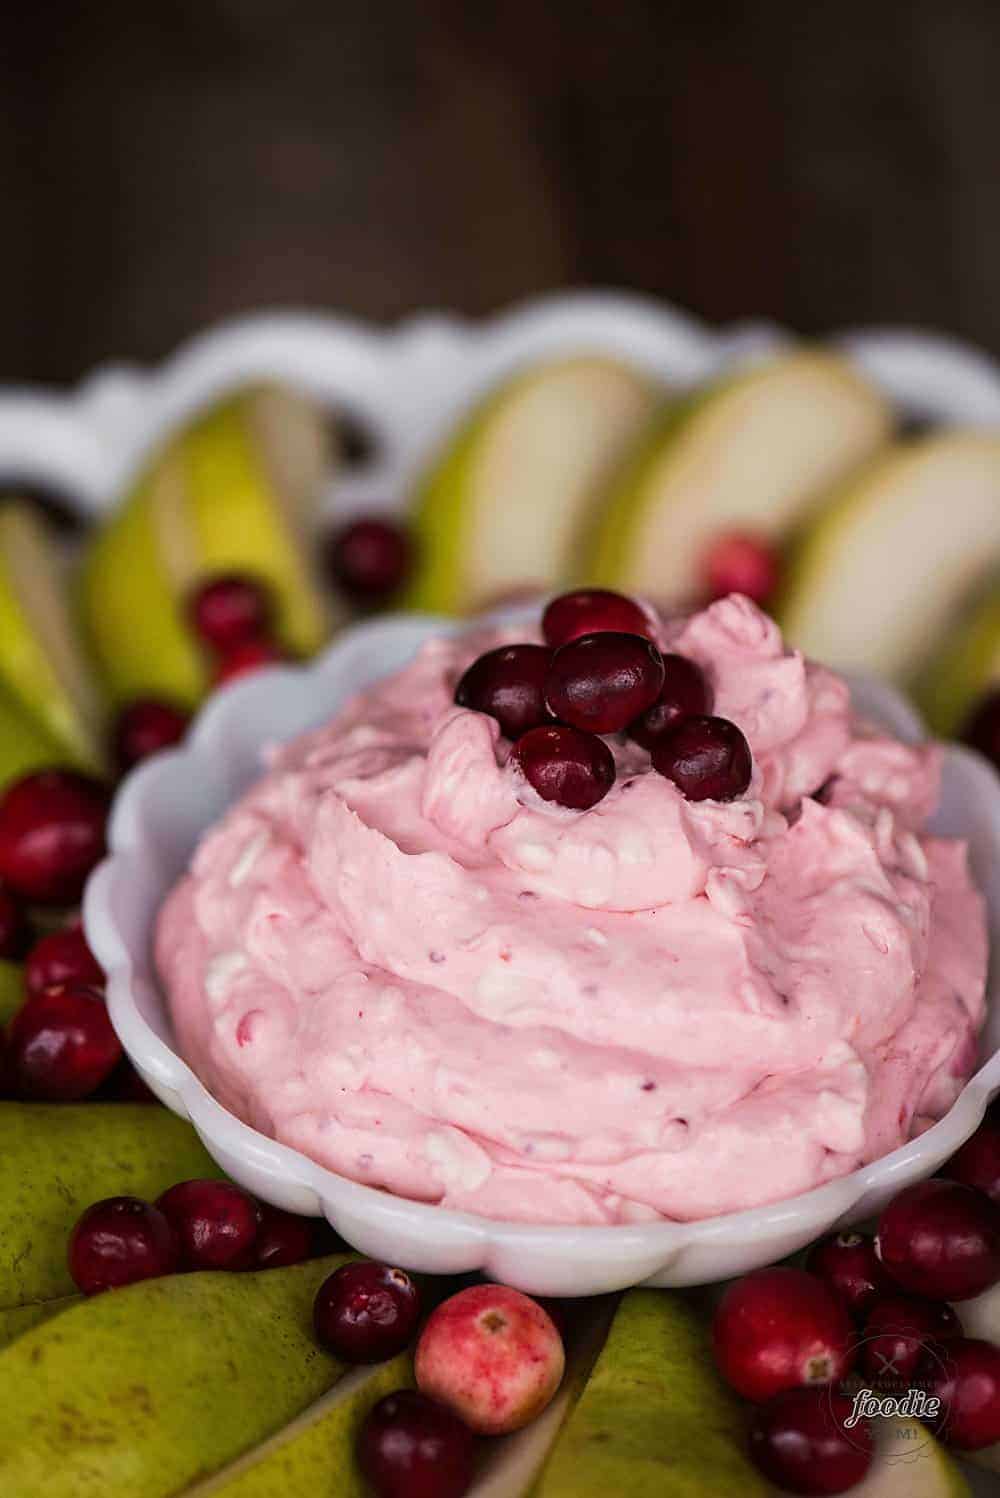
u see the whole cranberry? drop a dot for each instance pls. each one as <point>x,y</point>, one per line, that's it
<point>144,727</point>
<point>214,1222</point>
<point>982,729</point>
<point>739,562</point>
<point>412,1447</point>
<point>777,1329</point>
<point>509,684</point>
<point>590,611</point>
<point>565,765</point>
<point>941,1239</point>
<point>283,1238</point>
<point>977,1163</point>
<point>602,682</point>
<point>230,610</point>
<point>125,1085</point>
<point>708,759</point>
<point>366,1312</point>
<point>851,1267</point>
<point>61,957</point>
<point>801,1441</point>
<point>60,1045</point>
<point>965,1375</point>
<point>244,659</point>
<point>685,693</point>
<point>369,560</point>
<point>52,827</point>
<point>15,932</point>
<point>119,1241</point>
<point>897,1333</point>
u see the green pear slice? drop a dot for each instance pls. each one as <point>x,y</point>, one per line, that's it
<point>41,662</point>
<point>503,507</point>
<point>55,1159</point>
<point>893,554</point>
<point>751,452</point>
<point>965,668</point>
<point>909,1463</point>
<point>148,1389</point>
<point>25,743</point>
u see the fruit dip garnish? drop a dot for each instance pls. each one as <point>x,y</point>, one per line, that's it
<point>601,919</point>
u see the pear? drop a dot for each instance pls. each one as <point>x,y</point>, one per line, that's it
<point>504,505</point>
<point>16,1320</point>
<point>234,490</point>
<point>41,662</point>
<point>146,1389</point>
<point>56,1159</point>
<point>25,743</point>
<point>884,568</point>
<point>11,990</point>
<point>753,451</point>
<point>964,669</point>
<point>909,1463</point>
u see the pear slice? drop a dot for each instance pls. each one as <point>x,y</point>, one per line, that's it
<point>25,743</point>
<point>145,1390</point>
<point>893,554</point>
<point>235,490</point>
<point>55,1159</point>
<point>41,662</point>
<point>909,1463</point>
<point>753,451</point>
<point>503,507</point>
<point>964,669</point>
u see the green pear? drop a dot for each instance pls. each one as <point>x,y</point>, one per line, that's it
<point>16,1320</point>
<point>964,669</point>
<point>752,452</point>
<point>880,574</point>
<point>56,1159</point>
<point>909,1463</point>
<point>41,662</point>
<point>142,1391</point>
<point>503,507</point>
<point>234,490</point>
<point>25,743</point>
<point>11,990</point>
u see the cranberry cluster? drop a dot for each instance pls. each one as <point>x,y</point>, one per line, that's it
<point>598,673</point>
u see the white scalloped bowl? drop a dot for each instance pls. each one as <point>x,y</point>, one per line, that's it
<point>158,817</point>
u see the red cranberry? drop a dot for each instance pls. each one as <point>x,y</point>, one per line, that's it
<point>965,1376</point>
<point>214,1222</point>
<point>591,611</point>
<point>685,693</point>
<point>412,1447</point>
<point>146,726</point>
<point>602,682</point>
<point>851,1267</point>
<point>982,729</point>
<point>898,1331</point>
<point>51,835</point>
<point>741,563</point>
<point>778,1328</point>
<point>941,1239</point>
<point>60,1045</point>
<point>369,560</point>
<point>61,957</point>
<point>509,684</point>
<point>230,610</point>
<point>126,1086</point>
<point>366,1312</point>
<point>15,933</point>
<point>708,759</point>
<point>977,1163</point>
<point>283,1238</point>
<point>565,765</point>
<point>246,658</point>
<point>802,1443</point>
<point>119,1241</point>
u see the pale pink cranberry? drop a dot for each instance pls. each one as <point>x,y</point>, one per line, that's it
<point>246,658</point>
<point>52,826</point>
<point>146,726</point>
<point>565,765</point>
<point>965,1375</point>
<point>366,1312</point>
<point>800,1441</point>
<point>977,1163</point>
<point>492,1355</point>
<point>61,1045</point>
<point>230,610</point>
<point>214,1222</point>
<point>603,682</point>
<point>777,1329</point>
<point>589,611</point>
<point>898,1331</point>
<point>412,1447</point>
<point>15,932</point>
<point>685,693</point>
<point>118,1242</point>
<point>941,1239</point>
<point>509,685</point>
<point>740,562</point>
<point>61,957</point>
<point>851,1267</point>
<point>369,560</point>
<point>708,759</point>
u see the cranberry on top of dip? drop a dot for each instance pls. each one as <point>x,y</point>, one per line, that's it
<point>669,943</point>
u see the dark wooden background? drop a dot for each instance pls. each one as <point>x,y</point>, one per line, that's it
<point>166,164</point>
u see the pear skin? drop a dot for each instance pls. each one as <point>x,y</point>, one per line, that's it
<point>25,743</point>
<point>11,990</point>
<point>964,669</point>
<point>16,1320</point>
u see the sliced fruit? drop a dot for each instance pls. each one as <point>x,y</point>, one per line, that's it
<point>41,662</point>
<point>59,1158</point>
<point>964,669</point>
<point>504,505</point>
<point>25,744</point>
<point>909,1463</point>
<point>148,1388</point>
<point>883,569</point>
<point>752,453</point>
<point>233,491</point>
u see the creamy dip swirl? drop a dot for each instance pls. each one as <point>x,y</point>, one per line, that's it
<point>394,956</point>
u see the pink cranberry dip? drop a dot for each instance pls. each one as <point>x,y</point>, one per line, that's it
<point>395,956</point>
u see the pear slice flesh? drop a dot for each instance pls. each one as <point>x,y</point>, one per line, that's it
<point>753,451</point>
<point>966,667</point>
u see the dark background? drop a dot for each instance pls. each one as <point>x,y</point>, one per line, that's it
<point>164,165</point>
